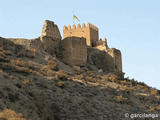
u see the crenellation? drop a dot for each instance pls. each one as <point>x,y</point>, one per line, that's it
<point>83,25</point>
<point>64,27</point>
<point>90,33</point>
<point>78,26</point>
<point>74,26</point>
<point>92,26</point>
<point>69,27</point>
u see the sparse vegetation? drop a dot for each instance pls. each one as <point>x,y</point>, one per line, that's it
<point>27,80</point>
<point>9,114</point>
<point>52,65</point>
<point>121,99</point>
<point>60,84</point>
<point>61,74</point>
<point>153,92</point>
<point>151,108</point>
<point>158,107</point>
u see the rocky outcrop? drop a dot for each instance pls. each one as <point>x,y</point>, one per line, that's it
<point>34,88</point>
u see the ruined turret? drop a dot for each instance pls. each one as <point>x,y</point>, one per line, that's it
<point>50,37</point>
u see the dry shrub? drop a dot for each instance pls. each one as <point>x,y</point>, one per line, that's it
<point>7,52</point>
<point>121,99</point>
<point>105,77</point>
<point>125,88</point>
<point>109,77</point>
<point>10,115</point>
<point>61,74</point>
<point>23,70</point>
<point>113,77</point>
<point>124,82</point>
<point>50,72</point>
<point>52,65</point>
<point>99,76</point>
<point>158,107</point>
<point>18,62</point>
<point>31,65</point>
<point>60,84</point>
<point>154,92</point>
<point>3,59</point>
<point>79,77</point>
<point>88,78</point>
<point>151,108</point>
<point>26,82</point>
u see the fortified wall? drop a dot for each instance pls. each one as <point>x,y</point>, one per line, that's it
<point>49,41</point>
<point>111,61</point>
<point>80,46</point>
<point>74,51</point>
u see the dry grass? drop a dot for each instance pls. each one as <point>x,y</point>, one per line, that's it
<point>61,74</point>
<point>52,65</point>
<point>151,108</point>
<point>121,99</point>
<point>154,92</point>
<point>79,77</point>
<point>60,84</point>
<point>10,115</point>
<point>26,82</point>
<point>105,77</point>
<point>23,70</point>
<point>158,107</point>
<point>88,78</point>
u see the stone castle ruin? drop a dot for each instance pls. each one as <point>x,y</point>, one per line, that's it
<point>89,34</point>
<point>80,46</point>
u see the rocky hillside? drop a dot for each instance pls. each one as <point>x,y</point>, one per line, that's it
<point>36,86</point>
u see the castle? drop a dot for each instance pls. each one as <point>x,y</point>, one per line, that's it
<point>80,46</point>
<point>76,36</point>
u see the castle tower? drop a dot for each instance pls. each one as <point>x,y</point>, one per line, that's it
<point>89,32</point>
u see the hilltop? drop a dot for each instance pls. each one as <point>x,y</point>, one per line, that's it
<point>37,84</point>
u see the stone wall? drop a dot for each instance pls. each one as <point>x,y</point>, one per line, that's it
<point>74,51</point>
<point>50,37</point>
<point>102,45</point>
<point>100,59</point>
<point>49,41</point>
<point>51,30</point>
<point>117,59</point>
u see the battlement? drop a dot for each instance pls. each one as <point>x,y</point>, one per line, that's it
<point>84,26</point>
<point>89,31</point>
<point>92,26</point>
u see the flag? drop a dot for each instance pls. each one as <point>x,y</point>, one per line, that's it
<point>76,18</point>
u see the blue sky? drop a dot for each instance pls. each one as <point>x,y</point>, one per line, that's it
<point>133,26</point>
